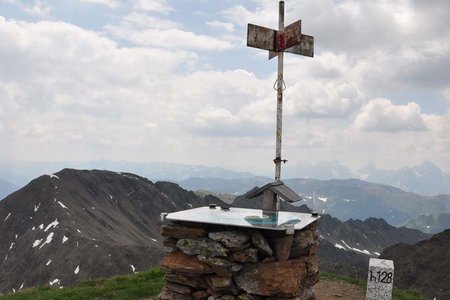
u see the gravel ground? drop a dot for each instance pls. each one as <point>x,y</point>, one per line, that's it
<point>326,289</point>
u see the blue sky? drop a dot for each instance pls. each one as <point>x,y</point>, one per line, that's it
<point>155,80</point>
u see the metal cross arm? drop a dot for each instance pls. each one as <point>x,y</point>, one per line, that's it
<point>289,40</point>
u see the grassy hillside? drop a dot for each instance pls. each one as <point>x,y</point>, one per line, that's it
<point>136,286</point>
<point>144,285</point>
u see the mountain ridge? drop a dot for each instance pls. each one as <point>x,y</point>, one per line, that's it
<point>80,224</point>
<point>345,198</point>
<point>424,265</point>
<point>77,224</point>
<point>426,178</point>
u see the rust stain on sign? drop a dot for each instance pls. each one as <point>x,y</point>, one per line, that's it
<point>261,37</point>
<point>289,40</point>
<point>293,34</point>
<point>305,47</point>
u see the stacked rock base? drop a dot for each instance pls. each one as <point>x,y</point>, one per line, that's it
<point>232,263</point>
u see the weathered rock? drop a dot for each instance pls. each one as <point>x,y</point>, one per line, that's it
<point>222,271</point>
<point>302,242</point>
<point>223,285</point>
<point>218,283</point>
<point>244,246</point>
<point>269,259</point>
<point>169,250</point>
<point>183,263</point>
<point>202,246</point>
<point>221,267</point>
<point>284,298</point>
<point>179,232</point>
<point>230,239</point>
<point>228,297</point>
<point>313,265</point>
<point>211,267</point>
<point>312,279</point>
<point>178,288</point>
<point>246,255</point>
<point>214,294</point>
<point>282,247</point>
<point>167,294</point>
<point>235,267</point>
<point>261,244</point>
<point>307,294</point>
<point>314,248</point>
<point>280,279</point>
<point>214,261</point>
<point>200,295</point>
<point>313,228</point>
<point>248,297</point>
<point>170,243</point>
<point>195,281</point>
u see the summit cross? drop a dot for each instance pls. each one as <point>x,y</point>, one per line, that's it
<point>286,39</point>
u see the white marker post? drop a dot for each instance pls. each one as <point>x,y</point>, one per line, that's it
<point>380,279</point>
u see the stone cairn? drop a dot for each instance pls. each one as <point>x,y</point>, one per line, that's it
<point>205,261</point>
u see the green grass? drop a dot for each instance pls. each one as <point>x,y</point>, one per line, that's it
<point>136,286</point>
<point>397,294</point>
<point>147,284</point>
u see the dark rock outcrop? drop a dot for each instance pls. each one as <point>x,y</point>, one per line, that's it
<point>77,225</point>
<point>424,266</point>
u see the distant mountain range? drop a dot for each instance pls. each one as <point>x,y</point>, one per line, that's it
<point>76,224</point>
<point>348,199</point>
<point>20,173</point>
<point>424,179</point>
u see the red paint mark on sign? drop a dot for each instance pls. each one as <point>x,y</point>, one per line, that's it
<point>281,41</point>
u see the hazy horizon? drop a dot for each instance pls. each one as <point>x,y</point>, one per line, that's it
<point>37,168</point>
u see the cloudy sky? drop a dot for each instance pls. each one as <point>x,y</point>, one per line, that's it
<point>173,81</point>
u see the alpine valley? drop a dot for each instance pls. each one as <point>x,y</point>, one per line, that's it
<point>77,224</point>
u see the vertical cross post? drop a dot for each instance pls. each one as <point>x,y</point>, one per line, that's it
<point>280,81</point>
<point>286,39</point>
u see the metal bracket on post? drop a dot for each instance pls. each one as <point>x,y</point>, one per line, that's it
<point>270,201</point>
<point>272,192</point>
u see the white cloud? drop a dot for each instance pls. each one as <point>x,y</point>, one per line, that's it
<point>320,99</point>
<point>391,44</point>
<point>221,25</point>
<point>153,86</point>
<point>382,115</point>
<point>66,84</point>
<point>159,6</point>
<point>172,38</point>
<point>265,16</point>
<point>107,3</point>
<point>144,29</point>
<point>142,21</point>
<point>222,103</point>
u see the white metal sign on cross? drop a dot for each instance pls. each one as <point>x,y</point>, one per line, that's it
<point>286,39</point>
